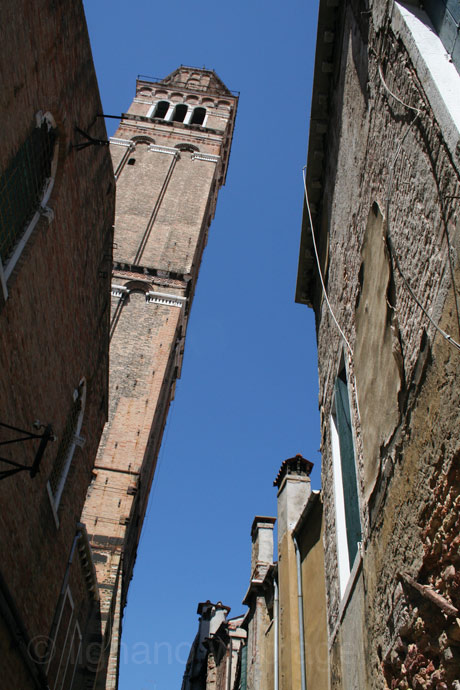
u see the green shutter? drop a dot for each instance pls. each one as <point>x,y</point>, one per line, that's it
<point>445,15</point>
<point>244,665</point>
<point>347,459</point>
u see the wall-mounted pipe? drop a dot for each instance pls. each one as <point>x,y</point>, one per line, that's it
<point>229,666</point>
<point>300,604</point>
<point>276,635</point>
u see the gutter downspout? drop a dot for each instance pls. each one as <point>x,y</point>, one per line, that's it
<point>229,678</point>
<point>300,603</point>
<point>276,633</point>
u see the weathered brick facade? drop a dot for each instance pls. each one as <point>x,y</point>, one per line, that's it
<point>168,175</point>
<point>54,327</point>
<point>383,182</point>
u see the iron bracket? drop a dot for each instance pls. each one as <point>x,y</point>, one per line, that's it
<point>45,437</point>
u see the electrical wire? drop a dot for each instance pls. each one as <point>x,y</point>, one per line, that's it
<point>319,264</point>
<point>386,87</point>
<point>388,202</point>
<point>354,384</point>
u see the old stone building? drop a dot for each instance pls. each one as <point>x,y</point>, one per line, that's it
<point>56,223</point>
<point>214,659</point>
<point>286,617</point>
<point>379,265</point>
<point>280,642</point>
<point>170,156</point>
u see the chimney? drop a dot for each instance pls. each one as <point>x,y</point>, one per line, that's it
<point>294,489</point>
<point>262,545</point>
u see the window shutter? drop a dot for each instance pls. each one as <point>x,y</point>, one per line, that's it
<point>347,458</point>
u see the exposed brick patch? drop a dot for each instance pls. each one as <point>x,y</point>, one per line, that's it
<point>426,654</point>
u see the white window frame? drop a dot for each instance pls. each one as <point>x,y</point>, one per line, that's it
<point>343,561</point>
<point>347,570</point>
<point>67,595</point>
<point>77,440</point>
<point>203,124</point>
<point>76,631</point>
<point>151,110</point>
<point>437,74</point>
<point>73,624</point>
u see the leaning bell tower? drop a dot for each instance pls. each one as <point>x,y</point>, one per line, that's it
<point>170,156</point>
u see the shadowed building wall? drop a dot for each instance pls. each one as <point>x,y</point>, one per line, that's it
<point>56,219</point>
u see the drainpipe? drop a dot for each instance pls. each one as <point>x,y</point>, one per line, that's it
<point>276,633</point>
<point>229,678</point>
<point>300,602</point>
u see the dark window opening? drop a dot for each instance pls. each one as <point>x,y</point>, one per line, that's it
<point>161,109</point>
<point>180,112</point>
<point>23,184</point>
<point>131,161</point>
<point>342,421</point>
<point>187,147</point>
<point>198,116</point>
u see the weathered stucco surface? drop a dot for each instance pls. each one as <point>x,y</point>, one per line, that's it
<point>404,374</point>
<point>377,350</point>
<point>310,539</point>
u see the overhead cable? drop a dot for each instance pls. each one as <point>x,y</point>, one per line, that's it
<point>319,265</point>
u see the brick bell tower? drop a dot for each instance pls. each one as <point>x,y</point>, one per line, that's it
<point>170,157</point>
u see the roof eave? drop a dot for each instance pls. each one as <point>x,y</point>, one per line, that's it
<point>319,123</point>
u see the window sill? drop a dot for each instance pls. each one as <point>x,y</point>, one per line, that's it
<point>438,75</point>
<point>53,508</point>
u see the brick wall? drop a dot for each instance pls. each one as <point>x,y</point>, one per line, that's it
<point>54,324</point>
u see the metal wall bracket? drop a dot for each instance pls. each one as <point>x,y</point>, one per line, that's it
<point>90,141</point>
<point>45,437</point>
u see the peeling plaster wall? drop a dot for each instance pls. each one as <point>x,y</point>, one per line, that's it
<point>377,350</point>
<point>407,436</point>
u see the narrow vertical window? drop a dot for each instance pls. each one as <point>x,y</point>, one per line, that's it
<point>161,109</point>
<point>180,111</point>
<point>348,524</point>
<point>198,116</point>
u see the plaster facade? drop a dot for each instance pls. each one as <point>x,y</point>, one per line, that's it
<point>383,185</point>
<point>286,617</point>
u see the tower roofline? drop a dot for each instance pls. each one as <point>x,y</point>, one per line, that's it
<point>170,79</point>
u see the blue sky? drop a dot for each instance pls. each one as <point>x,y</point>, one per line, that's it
<point>248,394</point>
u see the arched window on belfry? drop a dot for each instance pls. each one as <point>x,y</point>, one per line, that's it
<point>187,147</point>
<point>198,116</point>
<point>161,109</point>
<point>180,111</point>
